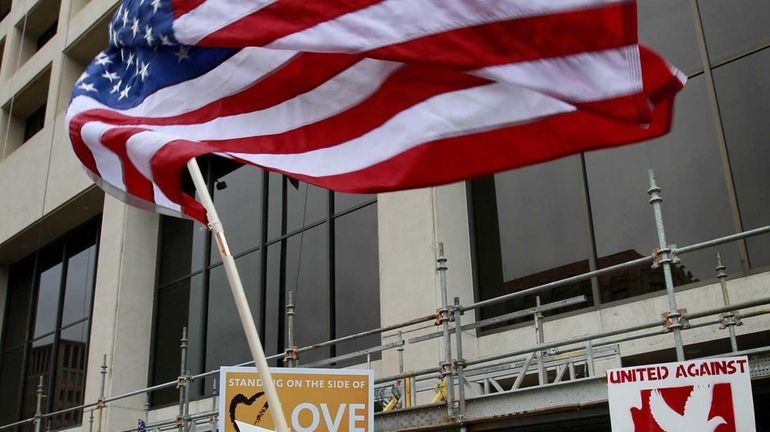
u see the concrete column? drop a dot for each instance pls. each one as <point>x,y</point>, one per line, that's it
<point>122,313</point>
<point>408,283</point>
<point>453,229</point>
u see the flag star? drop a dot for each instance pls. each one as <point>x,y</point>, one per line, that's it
<point>110,75</point>
<point>101,55</point>
<point>130,60</point>
<point>88,87</point>
<point>125,18</point>
<point>104,61</point>
<point>165,40</point>
<point>83,76</point>
<point>155,6</point>
<point>182,54</point>
<point>144,72</point>
<point>124,92</point>
<point>135,27</point>
<point>148,35</point>
<point>116,87</point>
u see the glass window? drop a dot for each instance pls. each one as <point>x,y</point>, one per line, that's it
<point>171,318</point>
<point>281,232</point>
<point>181,250</point>
<point>79,286</point>
<point>356,280</point>
<point>238,197</point>
<point>344,201</point>
<point>307,274</point>
<point>734,27</point>
<point>668,27</point>
<point>225,340</point>
<point>536,232</point>
<point>51,294</point>
<point>744,101</point>
<point>695,206</point>
<point>47,301</point>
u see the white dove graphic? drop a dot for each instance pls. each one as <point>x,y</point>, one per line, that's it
<point>696,412</point>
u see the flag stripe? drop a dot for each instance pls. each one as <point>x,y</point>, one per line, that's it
<point>524,39</point>
<point>388,22</point>
<point>213,15</point>
<point>280,19</point>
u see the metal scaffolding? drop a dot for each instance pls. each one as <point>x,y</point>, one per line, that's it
<point>546,363</point>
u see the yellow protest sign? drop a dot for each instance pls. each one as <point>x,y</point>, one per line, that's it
<point>322,400</point>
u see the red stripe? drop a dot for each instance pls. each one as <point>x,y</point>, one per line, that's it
<point>280,19</point>
<point>181,7</point>
<point>168,167</point>
<point>407,87</point>
<point>520,40</point>
<point>80,148</point>
<point>136,183</point>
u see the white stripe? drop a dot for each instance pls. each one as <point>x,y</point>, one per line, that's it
<point>211,16</point>
<point>107,162</point>
<point>443,116</point>
<point>345,90</point>
<point>579,78</point>
<point>162,200</point>
<point>235,74</point>
<point>390,22</point>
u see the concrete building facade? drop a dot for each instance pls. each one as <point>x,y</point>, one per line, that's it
<point>86,279</point>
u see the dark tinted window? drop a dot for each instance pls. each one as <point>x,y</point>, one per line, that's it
<point>734,27</point>
<point>744,96</point>
<point>689,171</point>
<point>531,228</point>
<point>34,123</point>
<point>284,236</point>
<point>47,326</point>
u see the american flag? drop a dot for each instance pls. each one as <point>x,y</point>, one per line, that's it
<point>361,95</point>
<point>140,426</point>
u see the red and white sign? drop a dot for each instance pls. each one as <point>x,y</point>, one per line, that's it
<point>710,395</point>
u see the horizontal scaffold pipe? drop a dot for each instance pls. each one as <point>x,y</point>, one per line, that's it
<point>584,338</point>
<point>614,268</point>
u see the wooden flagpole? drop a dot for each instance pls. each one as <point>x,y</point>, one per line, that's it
<point>234,279</point>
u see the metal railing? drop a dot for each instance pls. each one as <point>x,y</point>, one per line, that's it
<point>550,362</point>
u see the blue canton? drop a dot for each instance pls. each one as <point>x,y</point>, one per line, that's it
<point>143,56</point>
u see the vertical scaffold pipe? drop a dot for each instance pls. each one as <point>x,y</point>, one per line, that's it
<point>447,371</point>
<point>100,402</point>
<point>39,405</point>
<point>665,260</point>
<point>290,357</point>
<point>729,319</point>
<point>182,381</point>
<point>540,336</point>
<point>458,311</point>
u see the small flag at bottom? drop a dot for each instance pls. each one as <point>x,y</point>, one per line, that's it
<point>141,427</point>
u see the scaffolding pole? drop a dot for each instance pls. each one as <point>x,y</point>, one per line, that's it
<point>239,296</point>
<point>442,315</point>
<point>729,319</point>
<point>673,317</point>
